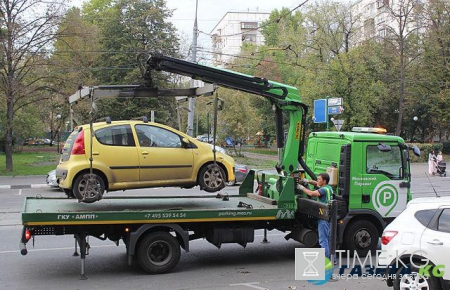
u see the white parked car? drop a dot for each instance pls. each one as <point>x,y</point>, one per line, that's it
<point>51,179</point>
<point>418,241</point>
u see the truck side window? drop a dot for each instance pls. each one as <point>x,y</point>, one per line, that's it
<point>388,163</point>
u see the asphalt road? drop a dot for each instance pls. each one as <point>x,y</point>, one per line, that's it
<point>50,265</point>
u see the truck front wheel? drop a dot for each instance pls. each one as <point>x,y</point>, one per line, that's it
<point>158,252</point>
<point>362,237</point>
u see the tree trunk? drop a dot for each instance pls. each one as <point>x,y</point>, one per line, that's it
<point>401,90</point>
<point>9,132</point>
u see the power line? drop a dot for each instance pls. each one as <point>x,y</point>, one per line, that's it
<point>295,64</point>
<point>265,24</point>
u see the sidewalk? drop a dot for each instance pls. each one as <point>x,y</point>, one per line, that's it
<point>19,182</point>
<point>419,170</point>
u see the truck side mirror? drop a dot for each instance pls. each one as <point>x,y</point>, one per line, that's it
<point>384,148</point>
<point>416,150</point>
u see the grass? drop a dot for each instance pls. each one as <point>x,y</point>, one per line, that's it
<point>30,163</point>
<point>39,163</point>
<point>264,151</point>
<point>253,163</point>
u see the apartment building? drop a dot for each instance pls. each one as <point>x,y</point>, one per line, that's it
<point>234,29</point>
<point>375,18</point>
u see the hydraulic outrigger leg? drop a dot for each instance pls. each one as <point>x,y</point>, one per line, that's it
<point>81,238</point>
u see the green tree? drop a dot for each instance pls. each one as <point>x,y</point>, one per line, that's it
<point>238,119</point>
<point>402,37</point>
<point>434,89</point>
<point>74,56</point>
<point>27,28</point>
<point>129,30</point>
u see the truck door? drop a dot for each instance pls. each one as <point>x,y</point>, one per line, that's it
<point>382,179</point>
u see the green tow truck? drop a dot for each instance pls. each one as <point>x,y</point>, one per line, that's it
<point>370,174</point>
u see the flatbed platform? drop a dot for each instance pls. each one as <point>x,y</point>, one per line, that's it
<point>137,210</point>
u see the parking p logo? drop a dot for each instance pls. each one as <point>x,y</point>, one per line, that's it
<point>310,264</point>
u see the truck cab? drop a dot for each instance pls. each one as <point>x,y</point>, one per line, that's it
<point>370,172</point>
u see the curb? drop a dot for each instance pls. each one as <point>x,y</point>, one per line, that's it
<point>23,186</point>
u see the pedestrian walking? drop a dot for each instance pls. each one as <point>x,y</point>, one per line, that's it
<point>440,157</point>
<point>431,162</point>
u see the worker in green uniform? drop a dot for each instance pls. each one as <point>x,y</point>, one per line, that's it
<point>324,195</point>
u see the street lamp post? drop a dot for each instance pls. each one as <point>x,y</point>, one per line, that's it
<point>415,119</point>
<point>190,125</point>
<point>326,113</point>
<point>58,120</point>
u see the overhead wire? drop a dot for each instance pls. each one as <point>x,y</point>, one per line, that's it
<point>263,25</point>
<point>309,68</point>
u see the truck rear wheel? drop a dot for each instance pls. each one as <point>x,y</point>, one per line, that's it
<point>158,253</point>
<point>362,237</point>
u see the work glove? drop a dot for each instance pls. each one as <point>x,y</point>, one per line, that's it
<point>301,187</point>
<point>304,180</point>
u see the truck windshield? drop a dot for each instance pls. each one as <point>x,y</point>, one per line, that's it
<point>388,163</point>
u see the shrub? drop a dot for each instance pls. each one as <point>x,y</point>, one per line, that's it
<point>446,147</point>
<point>425,149</point>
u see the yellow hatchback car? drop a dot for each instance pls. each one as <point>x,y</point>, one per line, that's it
<point>137,154</point>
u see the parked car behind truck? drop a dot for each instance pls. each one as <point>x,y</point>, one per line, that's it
<point>416,246</point>
<point>138,154</point>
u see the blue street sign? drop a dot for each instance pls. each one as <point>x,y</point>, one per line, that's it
<point>320,111</point>
<point>335,110</point>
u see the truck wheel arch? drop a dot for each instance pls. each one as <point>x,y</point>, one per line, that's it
<point>181,235</point>
<point>356,215</point>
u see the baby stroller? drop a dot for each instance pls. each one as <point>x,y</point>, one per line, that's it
<point>440,168</point>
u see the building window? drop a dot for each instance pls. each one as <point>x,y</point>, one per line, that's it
<point>369,28</point>
<point>382,3</point>
<point>249,25</point>
<point>249,37</point>
<point>382,32</point>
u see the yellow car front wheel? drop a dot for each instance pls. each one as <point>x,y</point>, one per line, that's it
<point>212,178</point>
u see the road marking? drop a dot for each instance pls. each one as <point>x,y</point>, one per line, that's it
<point>251,285</point>
<point>39,185</point>
<point>20,186</point>
<point>20,191</point>
<point>54,249</point>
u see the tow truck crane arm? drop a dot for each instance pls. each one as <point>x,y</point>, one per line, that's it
<point>250,84</point>
<point>282,97</point>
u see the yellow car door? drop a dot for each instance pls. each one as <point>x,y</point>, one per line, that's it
<point>163,158</point>
<point>114,152</point>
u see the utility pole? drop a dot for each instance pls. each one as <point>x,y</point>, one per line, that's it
<point>190,128</point>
